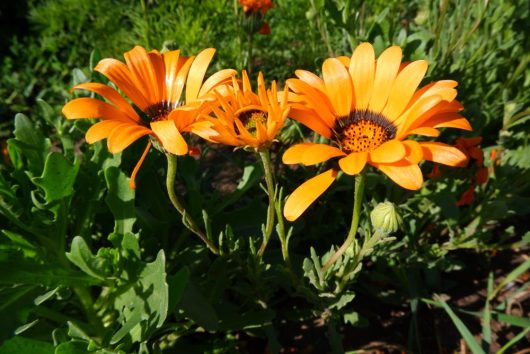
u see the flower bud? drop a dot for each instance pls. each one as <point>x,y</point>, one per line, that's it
<point>386,218</point>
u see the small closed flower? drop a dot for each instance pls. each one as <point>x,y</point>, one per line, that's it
<point>386,218</point>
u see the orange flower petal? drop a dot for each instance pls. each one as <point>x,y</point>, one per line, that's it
<point>307,193</point>
<point>197,72</point>
<point>354,162</point>
<point>385,74</point>
<point>425,131</point>
<point>177,68</point>
<point>404,174</point>
<point>112,95</point>
<point>216,79</point>
<point>311,120</point>
<point>144,74</point>
<point>414,151</point>
<point>157,61</point>
<point>293,155</point>
<point>362,71</point>
<point>119,74</point>
<point>448,120</point>
<point>170,137</point>
<point>311,79</point>
<point>338,86</point>
<point>318,153</point>
<point>122,137</point>
<point>403,88</point>
<point>86,107</point>
<point>102,130</point>
<point>391,151</point>
<point>443,153</point>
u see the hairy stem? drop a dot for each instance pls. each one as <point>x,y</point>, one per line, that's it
<point>267,168</point>
<point>357,204</point>
<point>186,217</point>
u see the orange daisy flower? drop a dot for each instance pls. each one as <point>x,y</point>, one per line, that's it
<point>154,83</point>
<point>244,118</point>
<point>367,108</point>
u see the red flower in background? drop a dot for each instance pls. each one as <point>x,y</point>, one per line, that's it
<point>254,6</point>
<point>469,146</point>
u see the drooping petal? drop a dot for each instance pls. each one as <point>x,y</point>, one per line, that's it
<point>338,86</point>
<point>354,162</point>
<point>307,193</point>
<point>405,174</point>
<point>110,94</point>
<point>385,74</point>
<point>403,88</point>
<point>132,180</point>
<point>388,152</point>
<point>170,137</point>
<point>122,137</point>
<point>443,153</point>
<point>86,107</point>
<point>362,70</point>
<point>318,153</point>
<point>197,72</point>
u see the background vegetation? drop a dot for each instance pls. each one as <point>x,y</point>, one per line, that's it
<point>80,252</point>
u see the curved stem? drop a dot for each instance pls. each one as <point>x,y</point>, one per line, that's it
<point>357,204</point>
<point>267,168</point>
<point>187,220</point>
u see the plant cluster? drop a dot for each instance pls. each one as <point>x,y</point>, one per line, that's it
<point>173,201</point>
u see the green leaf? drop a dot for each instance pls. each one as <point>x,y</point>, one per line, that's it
<point>28,142</point>
<point>143,306</point>
<point>120,199</point>
<point>15,269</point>
<point>197,308</point>
<point>81,256</point>
<point>177,285</point>
<point>72,347</point>
<point>514,274</point>
<point>22,345</point>
<point>461,327</point>
<point>514,340</point>
<point>58,178</point>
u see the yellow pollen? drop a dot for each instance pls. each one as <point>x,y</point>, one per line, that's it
<point>251,118</point>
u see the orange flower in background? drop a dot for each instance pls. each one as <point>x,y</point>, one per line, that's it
<point>254,6</point>
<point>367,108</point>
<point>244,118</point>
<point>154,83</point>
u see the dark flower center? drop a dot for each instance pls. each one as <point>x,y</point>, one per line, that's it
<point>159,111</point>
<point>363,131</point>
<point>250,119</point>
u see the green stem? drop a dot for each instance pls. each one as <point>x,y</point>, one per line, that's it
<point>357,204</point>
<point>83,294</point>
<point>267,168</point>
<point>186,218</point>
<point>250,40</point>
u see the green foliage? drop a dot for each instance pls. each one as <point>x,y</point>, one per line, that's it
<point>89,265</point>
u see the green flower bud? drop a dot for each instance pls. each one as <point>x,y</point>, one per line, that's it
<point>386,218</point>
